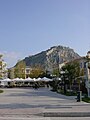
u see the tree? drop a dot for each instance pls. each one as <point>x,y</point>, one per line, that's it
<point>19,70</point>
<point>79,77</point>
<point>73,70</point>
<point>37,71</point>
<point>56,72</point>
<point>3,70</point>
<point>1,56</point>
<point>11,73</point>
<point>54,84</point>
<point>0,68</point>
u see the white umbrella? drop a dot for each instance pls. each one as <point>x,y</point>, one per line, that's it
<point>29,79</point>
<point>46,79</point>
<point>7,79</point>
<point>34,79</point>
<point>21,79</point>
<point>5,82</point>
<point>38,79</point>
<point>16,79</point>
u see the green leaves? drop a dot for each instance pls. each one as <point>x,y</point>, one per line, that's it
<point>19,70</point>
<point>72,68</point>
<point>37,71</point>
<point>73,71</point>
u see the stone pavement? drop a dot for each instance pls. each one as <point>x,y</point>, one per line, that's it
<point>41,104</point>
<point>47,118</point>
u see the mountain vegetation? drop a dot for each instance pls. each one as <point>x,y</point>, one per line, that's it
<point>51,58</point>
<point>46,62</point>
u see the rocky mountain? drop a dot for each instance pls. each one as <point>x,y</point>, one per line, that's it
<point>52,57</point>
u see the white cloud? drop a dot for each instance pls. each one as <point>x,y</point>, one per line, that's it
<point>11,57</point>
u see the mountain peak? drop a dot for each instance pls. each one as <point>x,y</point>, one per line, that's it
<point>52,57</point>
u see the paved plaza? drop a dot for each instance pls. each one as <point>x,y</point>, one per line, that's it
<point>40,104</point>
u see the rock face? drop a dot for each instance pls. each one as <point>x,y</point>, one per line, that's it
<point>52,57</point>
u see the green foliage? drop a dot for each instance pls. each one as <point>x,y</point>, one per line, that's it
<point>56,72</point>
<point>58,55</point>
<point>54,85</point>
<point>2,67</point>
<point>73,70</point>
<point>86,99</point>
<point>38,59</point>
<point>1,62</point>
<point>68,93</point>
<point>1,91</point>
<point>37,71</point>
<point>19,70</point>
<point>1,56</point>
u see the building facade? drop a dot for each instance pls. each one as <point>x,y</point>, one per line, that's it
<point>25,71</point>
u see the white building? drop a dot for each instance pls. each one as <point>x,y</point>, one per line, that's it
<point>27,71</point>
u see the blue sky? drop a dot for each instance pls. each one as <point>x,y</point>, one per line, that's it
<point>31,26</point>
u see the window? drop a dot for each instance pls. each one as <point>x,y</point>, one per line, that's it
<point>28,71</point>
